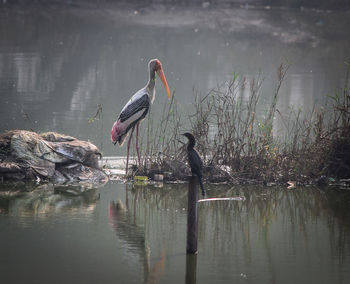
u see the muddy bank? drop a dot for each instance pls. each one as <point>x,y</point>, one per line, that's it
<point>177,171</point>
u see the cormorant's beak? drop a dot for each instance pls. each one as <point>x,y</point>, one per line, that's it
<point>162,77</point>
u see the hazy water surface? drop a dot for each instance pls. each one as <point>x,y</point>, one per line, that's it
<point>57,64</point>
<point>136,234</point>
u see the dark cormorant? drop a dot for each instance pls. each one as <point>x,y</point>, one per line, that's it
<point>194,160</point>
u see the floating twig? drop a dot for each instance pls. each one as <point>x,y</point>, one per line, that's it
<point>238,198</point>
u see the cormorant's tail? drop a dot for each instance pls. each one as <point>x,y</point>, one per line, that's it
<point>201,185</point>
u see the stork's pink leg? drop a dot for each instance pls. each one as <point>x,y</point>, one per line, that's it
<point>137,143</point>
<point>127,152</point>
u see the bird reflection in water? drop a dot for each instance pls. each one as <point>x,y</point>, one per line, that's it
<point>132,236</point>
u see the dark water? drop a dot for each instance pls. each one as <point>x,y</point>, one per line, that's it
<point>125,234</point>
<point>57,63</point>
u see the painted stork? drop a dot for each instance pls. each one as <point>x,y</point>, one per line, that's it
<point>194,160</point>
<point>136,109</point>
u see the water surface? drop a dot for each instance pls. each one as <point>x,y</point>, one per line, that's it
<point>137,234</point>
<point>57,63</point>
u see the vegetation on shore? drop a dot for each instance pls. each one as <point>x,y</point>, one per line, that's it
<point>239,144</point>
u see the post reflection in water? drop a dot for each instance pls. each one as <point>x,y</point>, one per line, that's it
<point>123,220</point>
<point>191,268</point>
<point>138,234</point>
<point>272,235</point>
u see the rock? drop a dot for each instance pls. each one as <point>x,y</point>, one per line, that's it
<point>175,170</point>
<point>56,137</point>
<point>9,167</point>
<point>79,151</point>
<point>322,181</point>
<point>158,177</point>
<point>26,155</point>
<point>216,174</point>
<point>81,172</point>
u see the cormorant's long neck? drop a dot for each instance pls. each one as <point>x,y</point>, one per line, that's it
<point>151,84</point>
<point>191,143</point>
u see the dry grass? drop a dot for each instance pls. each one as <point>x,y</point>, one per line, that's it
<point>237,142</point>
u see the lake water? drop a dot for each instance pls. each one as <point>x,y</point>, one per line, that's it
<point>122,233</point>
<point>57,63</point>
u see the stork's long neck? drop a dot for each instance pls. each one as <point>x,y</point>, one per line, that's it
<point>151,84</point>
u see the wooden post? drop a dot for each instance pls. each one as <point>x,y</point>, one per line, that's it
<point>192,218</point>
<point>191,269</point>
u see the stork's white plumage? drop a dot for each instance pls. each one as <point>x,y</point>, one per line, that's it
<point>137,108</point>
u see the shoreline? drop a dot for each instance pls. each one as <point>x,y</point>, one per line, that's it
<point>114,167</point>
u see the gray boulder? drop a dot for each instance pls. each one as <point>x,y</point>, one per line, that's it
<point>26,155</point>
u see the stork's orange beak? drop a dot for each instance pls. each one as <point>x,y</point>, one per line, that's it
<point>162,77</point>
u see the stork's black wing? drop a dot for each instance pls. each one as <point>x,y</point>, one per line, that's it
<point>134,106</point>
